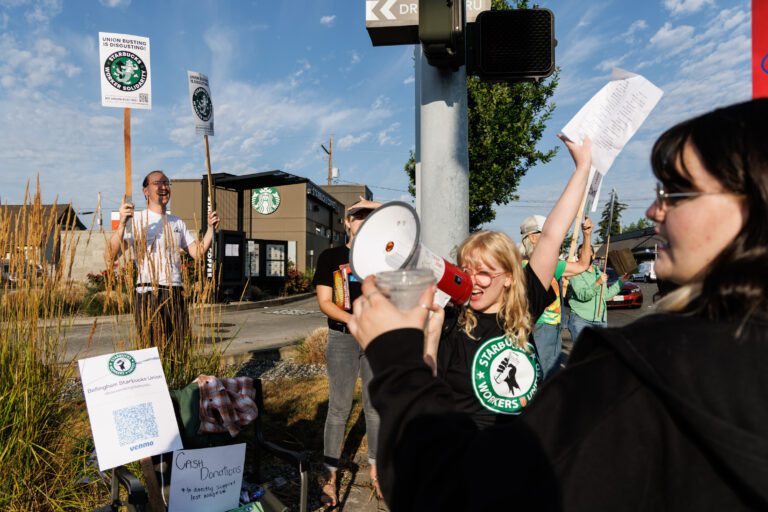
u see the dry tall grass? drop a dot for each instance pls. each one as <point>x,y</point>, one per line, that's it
<point>312,349</point>
<point>44,440</point>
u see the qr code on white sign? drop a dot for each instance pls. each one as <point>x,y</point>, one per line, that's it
<point>135,423</point>
<point>143,97</point>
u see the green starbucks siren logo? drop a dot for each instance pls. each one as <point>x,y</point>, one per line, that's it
<point>504,376</point>
<point>121,364</point>
<point>125,71</point>
<point>265,200</point>
<point>202,104</point>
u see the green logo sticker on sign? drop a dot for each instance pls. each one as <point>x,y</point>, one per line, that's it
<point>121,364</point>
<point>125,71</point>
<point>504,376</point>
<point>265,200</point>
<point>202,104</point>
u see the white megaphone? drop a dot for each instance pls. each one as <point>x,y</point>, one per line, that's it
<point>389,239</point>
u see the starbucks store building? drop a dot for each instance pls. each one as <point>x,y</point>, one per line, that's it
<point>268,221</point>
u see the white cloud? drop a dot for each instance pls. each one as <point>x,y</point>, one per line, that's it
<point>637,26</point>
<point>411,79</point>
<point>350,140</point>
<point>115,3</point>
<point>43,11</point>
<point>677,7</point>
<point>355,58</point>
<point>674,40</point>
<point>222,43</point>
<point>386,137</point>
<point>45,64</point>
<point>328,20</point>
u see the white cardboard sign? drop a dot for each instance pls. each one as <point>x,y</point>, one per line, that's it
<point>613,115</point>
<point>129,406</point>
<point>207,480</point>
<point>124,70</point>
<point>202,102</point>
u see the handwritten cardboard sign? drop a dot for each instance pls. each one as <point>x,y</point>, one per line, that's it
<point>129,406</point>
<point>207,480</point>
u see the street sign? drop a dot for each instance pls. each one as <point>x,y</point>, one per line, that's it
<point>391,22</point>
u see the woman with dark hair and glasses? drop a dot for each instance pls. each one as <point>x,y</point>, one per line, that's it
<point>336,289</point>
<point>668,413</point>
<point>485,350</point>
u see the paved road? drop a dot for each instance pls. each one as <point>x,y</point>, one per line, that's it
<point>245,331</point>
<point>254,329</point>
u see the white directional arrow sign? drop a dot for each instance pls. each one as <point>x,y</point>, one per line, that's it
<point>397,21</point>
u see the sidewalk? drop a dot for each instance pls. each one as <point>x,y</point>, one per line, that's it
<point>232,306</point>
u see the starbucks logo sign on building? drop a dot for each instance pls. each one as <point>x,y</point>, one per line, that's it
<point>265,200</point>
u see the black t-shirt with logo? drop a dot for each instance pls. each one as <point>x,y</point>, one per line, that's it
<point>492,379</point>
<point>333,270</point>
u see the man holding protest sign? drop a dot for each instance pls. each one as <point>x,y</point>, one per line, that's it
<point>157,238</point>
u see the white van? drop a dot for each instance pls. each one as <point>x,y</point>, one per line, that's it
<point>645,272</point>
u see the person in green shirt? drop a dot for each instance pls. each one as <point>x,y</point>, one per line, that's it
<point>546,332</point>
<point>585,299</point>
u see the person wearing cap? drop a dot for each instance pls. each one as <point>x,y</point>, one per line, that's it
<point>336,289</point>
<point>546,332</point>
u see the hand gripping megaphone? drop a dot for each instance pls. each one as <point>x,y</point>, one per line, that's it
<point>389,239</point>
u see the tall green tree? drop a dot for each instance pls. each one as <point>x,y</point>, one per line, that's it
<point>641,223</point>
<point>615,229</point>
<point>506,122</point>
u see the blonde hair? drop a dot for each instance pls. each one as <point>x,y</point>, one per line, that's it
<point>513,315</point>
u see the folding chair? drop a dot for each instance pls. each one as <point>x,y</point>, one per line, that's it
<point>186,401</point>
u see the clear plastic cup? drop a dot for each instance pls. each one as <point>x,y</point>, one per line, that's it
<point>404,287</point>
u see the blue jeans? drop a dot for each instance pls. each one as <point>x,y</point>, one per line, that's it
<point>344,360</point>
<point>576,324</point>
<point>549,346</point>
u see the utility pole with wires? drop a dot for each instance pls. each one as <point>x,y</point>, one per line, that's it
<point>329,152</point>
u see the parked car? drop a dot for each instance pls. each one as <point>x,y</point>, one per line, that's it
<point>630,295</point>
<point>13,278</point>
<point>645,272</point>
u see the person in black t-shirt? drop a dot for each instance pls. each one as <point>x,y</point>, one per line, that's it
<point>484,351</point>
<point>336,289</point>
<point>666,413</point>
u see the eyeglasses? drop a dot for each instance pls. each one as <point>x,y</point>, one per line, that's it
<point>161,183</point>
<point>666,200</point>
<point>483,279</point>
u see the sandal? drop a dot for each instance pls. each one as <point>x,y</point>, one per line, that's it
<point>328,490</point>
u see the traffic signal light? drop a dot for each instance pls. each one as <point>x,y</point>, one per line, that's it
<point>512,45</point>
<point>441,32</point>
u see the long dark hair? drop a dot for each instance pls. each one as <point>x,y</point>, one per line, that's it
<point>732,143</point>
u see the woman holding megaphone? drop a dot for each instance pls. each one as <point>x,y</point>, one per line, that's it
<point>484,350</point>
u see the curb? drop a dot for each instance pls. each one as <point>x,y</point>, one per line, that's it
<point>232,306</point>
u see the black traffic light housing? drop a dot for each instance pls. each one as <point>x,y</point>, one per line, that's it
<point>441,32</point>
<point>512,45</point>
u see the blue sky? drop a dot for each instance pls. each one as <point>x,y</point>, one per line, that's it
<point>286,75</point>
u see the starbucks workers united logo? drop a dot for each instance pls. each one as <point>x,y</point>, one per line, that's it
<point>121,364</point>
<point>504,376</point>
<point>202,104</point>
<point>265,200</point>
<point>126,71</point>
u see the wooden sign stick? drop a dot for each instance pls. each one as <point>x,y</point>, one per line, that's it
<point>127,144</point>
<point>208,168</point>
<point>575,237</point>
<point>607,246</point>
